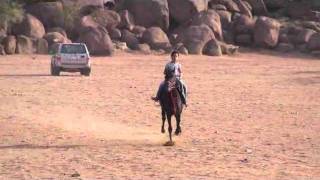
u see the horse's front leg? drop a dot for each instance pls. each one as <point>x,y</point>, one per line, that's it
<point>163,113</point>
<point>169,127</point>
<point>178,119</point>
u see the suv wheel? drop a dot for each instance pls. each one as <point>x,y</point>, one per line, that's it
<point>55,71</point>
<point>85,72</point>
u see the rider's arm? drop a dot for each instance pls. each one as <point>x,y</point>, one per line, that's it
<point>180,71</point>
<point>165,69</point>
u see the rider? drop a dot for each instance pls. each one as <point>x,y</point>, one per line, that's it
<point>173,68</point>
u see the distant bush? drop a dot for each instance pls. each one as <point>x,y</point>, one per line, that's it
<point>10,12</point>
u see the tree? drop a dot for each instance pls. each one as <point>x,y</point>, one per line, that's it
<point>10,12</point>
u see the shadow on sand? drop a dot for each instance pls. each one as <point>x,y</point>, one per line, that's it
<point>36,75</point>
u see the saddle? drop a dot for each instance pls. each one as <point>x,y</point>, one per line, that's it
<point>172,84</point>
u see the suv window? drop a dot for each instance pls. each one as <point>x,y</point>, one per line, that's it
<point>73,49</point>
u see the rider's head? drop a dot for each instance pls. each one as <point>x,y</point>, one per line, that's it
<point>174,55</point>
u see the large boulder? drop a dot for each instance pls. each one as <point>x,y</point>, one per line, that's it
<point>130,39</point>
<point>24,45</point>
<point>2,52</point>
<point>30,26</point>
<point>51,14</point>
<point>115,34</point>
<point>55,37</point>
<point>244,39</point>
<point>244,7</point>
<point>258,7</point>
<point>212,19</point>
<point>106,18</point>
<point>212,48</point>
<point>299,9</point>
<point>311,25</point>
<point>85,23</point>
<point>83,3</point>
<point>243,25</point>
<point>41,46</point>
<point>156,38</point>
<point>97,40</point>
<point>314,42</point>
<point>138,31</point>
<point>148,13</point>
<point>195,38</point>
<point>59,30</point>
<point>276,4</point>
<point>266,32</point>
<point>284,47</point>
<point>217,7</point>
<point>225,18</point>
<point>127,20</point>
<point>10,44</point>
<point>144,48</point>
<point>228,49</point>
<point>183,10</point>
<point>229,4</point>
<point>304,36</point>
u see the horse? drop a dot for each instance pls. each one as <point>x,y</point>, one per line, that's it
<point>171,105</point>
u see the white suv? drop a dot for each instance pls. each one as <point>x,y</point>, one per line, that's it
<point>70,57</point>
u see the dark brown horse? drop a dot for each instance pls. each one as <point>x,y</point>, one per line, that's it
<point>171,104</point>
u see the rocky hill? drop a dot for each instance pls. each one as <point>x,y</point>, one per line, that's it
<point>209,27</point>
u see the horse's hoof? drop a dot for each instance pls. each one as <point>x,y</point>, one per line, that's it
<point>163,131</point>
<point>169,143</point>
<point>177,132</point>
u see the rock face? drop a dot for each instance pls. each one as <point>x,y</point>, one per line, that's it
<point>244,39</point>
<point>183,10</point>
<point>194,38</point>
<point>97,40</point>
<point>258,7</point>
<point>106,18</point>
<point>138,31</point>
<point>144,48</point>
<point>243,25</point>
<point>285,47</point>
<point>244,7</point>
<point>211,19</point>
<point>55,37</point>
<point>148,13</point>
<point>59,30</point>
<point>10,44</point>
<point>115,34</point>
<point>127,20</point>
<point>304,36</point>
<point>49,13</point>
<point>30,26</point>
<point>41,46</point>
<point>276,4</point>
<point>266,32</point>
<point>2,52</point>
<point>130,39</point>
<point>156,38</point>
<point>85,23</point>
<point>24,45</point>
<point>225,18</point>
<point>230,5</point>
<point>314,42</point>
<point>212,48</point>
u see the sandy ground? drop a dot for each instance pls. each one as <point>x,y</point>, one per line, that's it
<point>254,116</point>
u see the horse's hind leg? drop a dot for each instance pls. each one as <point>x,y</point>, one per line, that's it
<point>163,113</point>
<point>178,129</point>
<point>169,127</point>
